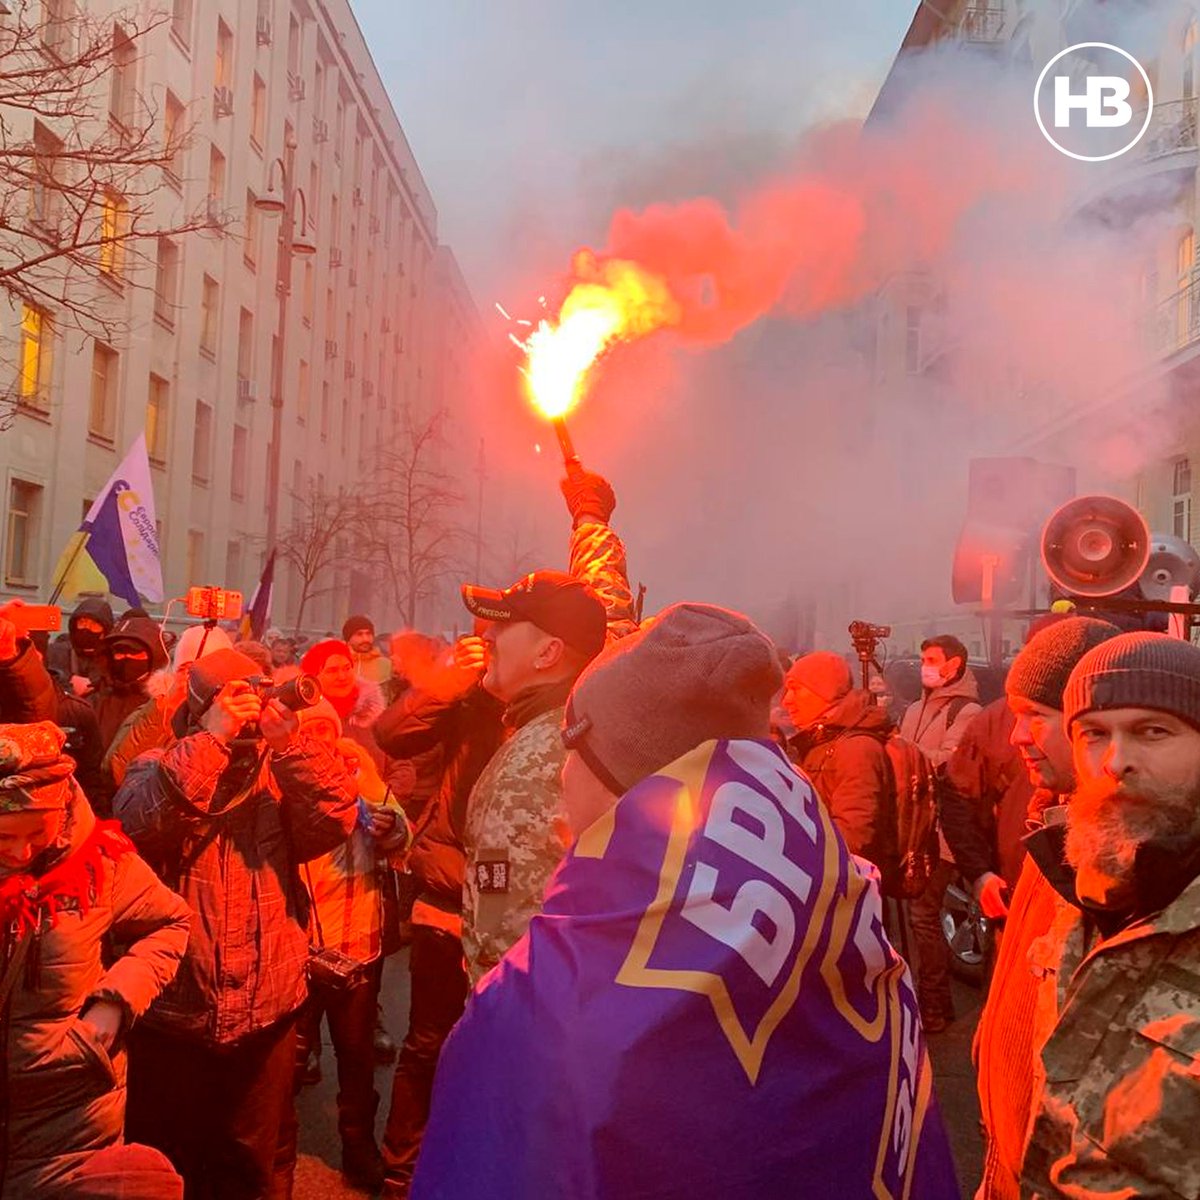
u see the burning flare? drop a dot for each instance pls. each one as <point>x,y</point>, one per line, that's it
<point>611,301</point>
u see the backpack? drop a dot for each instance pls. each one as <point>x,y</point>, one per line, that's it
<point>917,853</point>
<point>916,779</point>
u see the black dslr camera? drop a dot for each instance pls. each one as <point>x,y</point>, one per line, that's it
<point>302,692</point>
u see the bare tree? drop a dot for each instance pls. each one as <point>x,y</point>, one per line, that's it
<point>82,157</point>
<point>412,534</point>
<point>316,544</point>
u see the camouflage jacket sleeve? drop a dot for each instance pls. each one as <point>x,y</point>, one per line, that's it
<point>514,841</point>
<point>1120,1102</point>
<point>598,558</point>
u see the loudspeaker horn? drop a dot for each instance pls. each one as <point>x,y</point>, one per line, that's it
<point>1172,563</point>
<point>1095,546</point>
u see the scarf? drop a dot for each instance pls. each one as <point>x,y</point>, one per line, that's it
<point>72,884</point>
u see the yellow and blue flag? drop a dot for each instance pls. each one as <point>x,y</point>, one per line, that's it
<point>116,547</point>
<point>708,1005</point>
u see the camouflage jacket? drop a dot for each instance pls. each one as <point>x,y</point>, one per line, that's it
<point>1119,1107</point>
<point>514,834</point>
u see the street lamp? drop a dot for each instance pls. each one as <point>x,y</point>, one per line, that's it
<point>282,203</point>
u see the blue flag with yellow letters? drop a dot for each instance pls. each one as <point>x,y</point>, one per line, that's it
<point>708,1006</point>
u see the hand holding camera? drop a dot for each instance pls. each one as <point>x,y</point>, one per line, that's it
<point>234,706</point>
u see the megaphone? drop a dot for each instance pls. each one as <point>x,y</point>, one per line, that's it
<point>1172,563</point>
<point>1095,546</point>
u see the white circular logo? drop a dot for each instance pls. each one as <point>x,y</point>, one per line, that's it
<point>1107,115</point>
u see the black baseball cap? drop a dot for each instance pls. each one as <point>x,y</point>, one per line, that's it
<point>555,602</point>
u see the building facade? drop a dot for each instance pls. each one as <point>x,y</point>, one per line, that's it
<point>259,86</point>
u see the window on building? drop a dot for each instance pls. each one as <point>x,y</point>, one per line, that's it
<point>210,314</point>
<point>166,281</point>
<point>233,565</point>
<point>312,198</point>
<point>309,287</point>
<point>114,219</point>
<point>196,568</point>
<point>181,20</point>
<point>325,412</point>
<point>224,64</point>
<point>319,86</point>
<point>157,414</point>
<point>912,339</point>
<point>245,359</point>
<point>293,50</point>
<point>37,340</point>
<point>58,27</point>
<point>250,242</point>
<point>174,133</point>
<point>339,127</point>
<point>102,411</point>
<point>216,182</point>
<point>1189,64</point>
<point>202,443</point>
<point>122,77</point>
<point>302,387</point>
<point>240,463</point>
<point>258,113</point>
<point>45,189</point>
<point>1181,499</point>
<point>24,513</point>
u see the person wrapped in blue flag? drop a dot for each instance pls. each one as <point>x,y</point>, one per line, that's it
<point>708,1004</point>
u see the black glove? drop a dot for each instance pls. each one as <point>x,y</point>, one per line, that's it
<point>589,496</point>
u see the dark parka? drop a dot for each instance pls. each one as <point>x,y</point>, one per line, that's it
<point>846,759</point>
<point>468,731</point>
<point>64,1094</point>
<point>114,701</point>
<point>245,964</point>
<point>984,797</point>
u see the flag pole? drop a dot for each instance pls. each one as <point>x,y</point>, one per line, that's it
<point>62,579</point>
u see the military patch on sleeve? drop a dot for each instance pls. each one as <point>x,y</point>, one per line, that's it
<point>491,876</point>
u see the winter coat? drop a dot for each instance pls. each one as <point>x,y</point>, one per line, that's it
<point>1118,1020</point>
<point>146,728</point>
<point>846,759</point>
<point>984,797</point>
<point>245,965</point>
<point>27,693</point>
<point>465,731</point>
<point>64,1093</point>
<point>597,557</point>
<point>77,717</point>
<point>936,723</point>
<point>515,833</point>
<point>62,656</point>
<point>374,666</point>
<point>398,773</point>
<point>1004,1050</point>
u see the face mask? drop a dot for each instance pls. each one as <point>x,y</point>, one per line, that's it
<point>86,642</point>
<point>931,677</point>
<point>129,670</point>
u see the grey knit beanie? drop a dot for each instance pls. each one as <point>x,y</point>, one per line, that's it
<point>1137,670</point>
<point>699,672</point>
<point>1041,670</point>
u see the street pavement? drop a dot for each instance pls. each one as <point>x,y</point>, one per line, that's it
<point>318,1173</point>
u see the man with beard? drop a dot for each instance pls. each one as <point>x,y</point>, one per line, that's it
<point>1119,995</point>
<point>1005,1050</point>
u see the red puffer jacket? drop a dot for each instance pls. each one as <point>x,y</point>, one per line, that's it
<point>245,963</point>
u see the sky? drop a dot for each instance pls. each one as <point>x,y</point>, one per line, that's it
<point>531,120</point>
<point>774,465</point>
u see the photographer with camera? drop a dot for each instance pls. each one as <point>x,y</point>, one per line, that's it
<point>227,815</point>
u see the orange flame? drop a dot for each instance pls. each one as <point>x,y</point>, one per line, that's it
<point>612,301</point>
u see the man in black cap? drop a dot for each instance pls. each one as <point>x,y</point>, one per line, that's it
<point>540,634</point>
<point>358,632</point>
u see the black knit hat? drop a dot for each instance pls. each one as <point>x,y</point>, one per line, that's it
<point>357,624</point>
<point>1137,670</point>
<point>1040,672</point>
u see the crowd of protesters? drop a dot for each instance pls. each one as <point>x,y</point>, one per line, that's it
<point>652,875</point>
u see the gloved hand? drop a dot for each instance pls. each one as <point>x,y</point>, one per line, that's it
<point>992,893</point>
<point>589,496</point>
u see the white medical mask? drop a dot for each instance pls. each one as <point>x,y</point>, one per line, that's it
<point>931,677</point>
